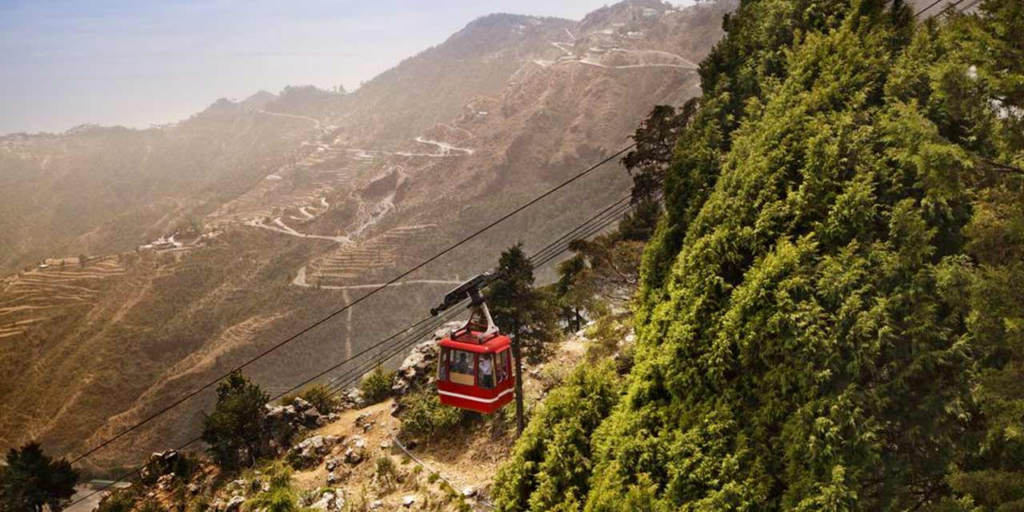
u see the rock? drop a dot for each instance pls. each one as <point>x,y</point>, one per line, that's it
<point>193,488</point>
<point>308,453</point>
<point>333,501</point>
<point>469,492</point>
<point>350,399</point>
<point>165,482</point>
<point>385,445</point>
<point>362,419</point>
<point>419,365</point>
<point>376,504</point>
<point>338,476</point>
<point>235,504</point>
<point>160,464</point>
<point>332,463</point>
<point>408,501</point>
<point>301,405</point>
<point>310,419</point>
<point>354,456</point>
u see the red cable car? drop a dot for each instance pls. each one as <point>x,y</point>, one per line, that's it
<point>475,366</point>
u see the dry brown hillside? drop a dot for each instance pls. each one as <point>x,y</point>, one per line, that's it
<point>307,201</point>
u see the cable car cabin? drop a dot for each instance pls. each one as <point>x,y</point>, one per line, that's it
<point>475,375</point>
<point>475,366</point>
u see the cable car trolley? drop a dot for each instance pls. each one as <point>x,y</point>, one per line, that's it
<point>475,365</point>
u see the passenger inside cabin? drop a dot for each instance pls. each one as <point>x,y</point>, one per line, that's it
<point>486,372</point>
<point>462,364</point>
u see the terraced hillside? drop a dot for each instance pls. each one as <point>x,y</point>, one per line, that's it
<point>349,191</point>
<point>32,297</point>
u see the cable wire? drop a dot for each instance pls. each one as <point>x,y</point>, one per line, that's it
<point>348,306</point>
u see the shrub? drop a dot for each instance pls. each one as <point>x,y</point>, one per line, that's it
<point>377,385</point>
<point>424,416</point>
<point>118,501</point>
<point>607,333</point>
<point>280,497</point>
<point>151,506</point>
<point>321,397</point>
<point>387,473</point>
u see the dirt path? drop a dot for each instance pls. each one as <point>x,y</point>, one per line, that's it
<point>316,122</point>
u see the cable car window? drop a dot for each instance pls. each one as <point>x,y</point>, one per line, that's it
<point>460,367</point>
<point>502,366</point>
<point>486,369</point>
<point>442,365</point>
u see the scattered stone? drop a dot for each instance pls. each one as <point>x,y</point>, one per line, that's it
<point>235,504</point>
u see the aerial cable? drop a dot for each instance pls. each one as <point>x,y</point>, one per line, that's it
<point>362,298</point>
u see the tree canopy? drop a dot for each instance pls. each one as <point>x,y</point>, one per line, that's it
<point>236,430</point>
<point>830,308</point>
<point>32,481</point>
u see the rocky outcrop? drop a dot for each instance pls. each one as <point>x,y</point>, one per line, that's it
<point>160,465</point>
<point>419,366</point>
<point>285,421</point>
<point>311,451</point>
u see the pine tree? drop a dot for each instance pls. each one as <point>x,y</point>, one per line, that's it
<point>236,431</point>
<point>33,481</point>
<point>516,305</point>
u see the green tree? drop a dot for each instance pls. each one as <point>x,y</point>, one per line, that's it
<point>655,141</point>
<point>551,464</point>
<point>236,431</point>
<point>32,481</point>
<point>575,291</point>
<point>517,306</point>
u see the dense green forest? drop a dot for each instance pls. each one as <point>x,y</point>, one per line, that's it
<point>831,312</point>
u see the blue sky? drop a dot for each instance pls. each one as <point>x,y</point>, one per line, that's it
<point>136,63</point>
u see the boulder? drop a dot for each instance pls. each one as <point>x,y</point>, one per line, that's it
<point>408,501</point>
<point>356,451</point>
<point>418,367</point>
<point>310,452</point>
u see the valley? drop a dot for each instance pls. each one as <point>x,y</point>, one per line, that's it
<point>296,204</point>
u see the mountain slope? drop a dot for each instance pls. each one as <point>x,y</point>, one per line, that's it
<point>373,182</point>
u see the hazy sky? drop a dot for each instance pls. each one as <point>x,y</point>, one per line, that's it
<point>139,62</point>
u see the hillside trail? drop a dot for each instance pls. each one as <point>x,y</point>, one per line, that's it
<point>316,122</point>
